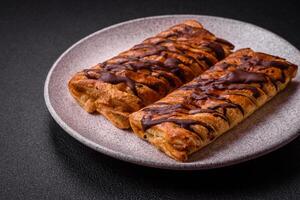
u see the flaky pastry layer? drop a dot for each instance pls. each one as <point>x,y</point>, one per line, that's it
<point>147,72</point>
<point>200,111</point>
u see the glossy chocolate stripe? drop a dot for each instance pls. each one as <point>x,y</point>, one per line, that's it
<point>183,108</point>
<point>217,49</point>
<point>160,47</point>
<point>186,124</point>
<point>114,79</point>
<point>248,62</point>
<point>234,80</point>
<point>171,49</point>
<point>205,96</point>
<point>170,64</point>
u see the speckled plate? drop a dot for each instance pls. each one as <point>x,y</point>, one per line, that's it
<point>271,127</point>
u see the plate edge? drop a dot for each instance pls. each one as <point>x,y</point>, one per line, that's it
<point>131,159</point>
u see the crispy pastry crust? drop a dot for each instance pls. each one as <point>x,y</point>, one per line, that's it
<point>197,113</point>
<point>147,72</point>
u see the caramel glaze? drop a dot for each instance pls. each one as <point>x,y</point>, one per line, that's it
<point>239,77</point>
<point>169,70</point>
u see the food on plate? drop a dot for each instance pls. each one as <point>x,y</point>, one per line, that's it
<point>198,112</point>
<point>148,71</point>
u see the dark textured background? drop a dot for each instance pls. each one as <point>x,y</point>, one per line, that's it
<point>38,160</point>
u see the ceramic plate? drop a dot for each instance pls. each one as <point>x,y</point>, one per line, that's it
<point>272,126</point>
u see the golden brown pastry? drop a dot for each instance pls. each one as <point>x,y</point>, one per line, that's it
<point>197,113</point>
<point>147,72</point>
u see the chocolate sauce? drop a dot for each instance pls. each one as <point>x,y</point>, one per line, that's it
<point>277,64</point>
<point>235,80</point>
<point>248,61</point>
<point>217,48</point>
<point>239,79</point>
<point>162,46</point>
<point>114,79</point>
<point>255,92</point>
<point>241,76</point>
<point>171,62</point>
<point>115,67</point>
<point>206,60</point>
<point>230,104</point>
<point>177,49</point>
<point>184,123</point>
<point>169,79</point>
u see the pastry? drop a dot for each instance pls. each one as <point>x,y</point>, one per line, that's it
<point>197,113</point>
<point>147,72</point>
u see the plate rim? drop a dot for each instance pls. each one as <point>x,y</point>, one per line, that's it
<point>129,158</point>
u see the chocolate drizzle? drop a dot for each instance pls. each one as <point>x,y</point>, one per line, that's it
<point>248,62</point>
<point>240,77</point>
<point>217,48</point>
<point>112,78</point>
<point>236,80</point>
<point>172,69</point>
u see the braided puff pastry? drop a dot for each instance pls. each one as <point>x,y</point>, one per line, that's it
<point>197,113</point>
<point>147,72</point>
